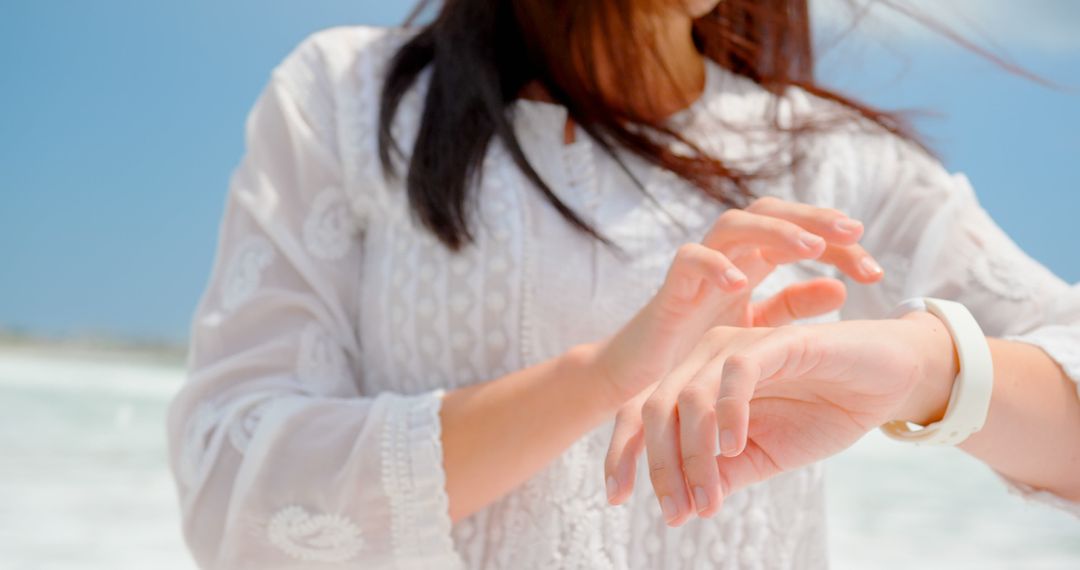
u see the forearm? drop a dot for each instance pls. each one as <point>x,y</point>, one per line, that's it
<point>498,434</point>
<point>1032,430</point>
<point>1032,433</point>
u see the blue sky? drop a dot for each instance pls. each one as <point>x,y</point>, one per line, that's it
<point>123,120</point>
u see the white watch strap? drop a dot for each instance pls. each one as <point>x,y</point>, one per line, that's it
<point>973,387</point>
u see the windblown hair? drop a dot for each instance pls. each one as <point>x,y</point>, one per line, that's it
<point>483,52</point>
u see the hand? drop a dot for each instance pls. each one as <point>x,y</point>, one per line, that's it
<point>709,284</point>
<point>775,399</point>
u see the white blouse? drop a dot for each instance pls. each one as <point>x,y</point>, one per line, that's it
<point>308,430</point>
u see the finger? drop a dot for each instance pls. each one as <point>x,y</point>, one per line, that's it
<point>738,230</point>
<point>800,301</point>
<point>838,230</point>
<point>696,266</point>
<point>854,262</point>
<point>832,225</point>
<point>751,466</point>
<point>753,265</point>
<point>782,351</point>
<point>662,450</point>
<point>627,442</point>
<point>697,432</point>
<point>660,421</point>
<point>739,377</point>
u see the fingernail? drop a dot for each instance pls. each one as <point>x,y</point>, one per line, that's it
<point>870,266</point>
<point>727,442</point>
<point>810,241</point>
<point>612,488</point>
<point>848,225</point>
<point>701,499</point>
<point>734,277</point>
<point>668,506</point>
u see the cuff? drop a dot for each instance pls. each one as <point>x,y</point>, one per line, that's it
<point>1062,343</point>
<point>414,480</point>
<point>1029,493</point>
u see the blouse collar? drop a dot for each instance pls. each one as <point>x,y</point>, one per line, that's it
<point>548,113</point>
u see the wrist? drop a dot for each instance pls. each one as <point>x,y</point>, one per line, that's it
<point>586,363</point>
<point>936,373</point>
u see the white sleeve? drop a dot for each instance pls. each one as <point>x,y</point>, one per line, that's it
<point>934,239</point>
<point>280,461</point>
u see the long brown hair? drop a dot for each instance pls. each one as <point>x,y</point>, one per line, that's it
<point>483,52</point>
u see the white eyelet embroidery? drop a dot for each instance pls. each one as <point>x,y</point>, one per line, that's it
<point>314,538</point>
<point>1000,278</point>
<point>244,273</point>
<point>330,225</point>
<point>321,363</point>
<point>437,319</point>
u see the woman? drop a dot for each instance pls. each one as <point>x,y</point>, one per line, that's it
<point>451,254</point>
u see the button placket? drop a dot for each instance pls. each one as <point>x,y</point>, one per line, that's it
<point>581,181</point>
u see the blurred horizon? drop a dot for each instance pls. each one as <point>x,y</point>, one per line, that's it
<point>125,120</point>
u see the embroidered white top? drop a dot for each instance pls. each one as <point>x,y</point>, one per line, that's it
<point>308,430</point>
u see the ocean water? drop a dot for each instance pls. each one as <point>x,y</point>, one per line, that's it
<point>83,483</point>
